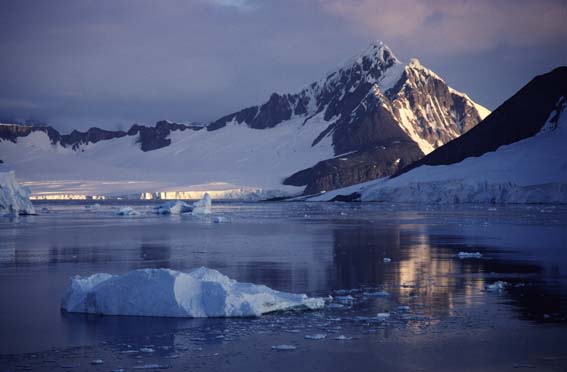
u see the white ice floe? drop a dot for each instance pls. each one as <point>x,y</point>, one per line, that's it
<point>128,211</point>
<point>387,260</point>
<point>14,199</point>
<point>496,286</point>
<point>344,299</point>
<point>203,206</point>
<point>343,338</point>
<point>284,347</point>
<point>316,336</point>
<point>463,255</point>
<point>202,292</point>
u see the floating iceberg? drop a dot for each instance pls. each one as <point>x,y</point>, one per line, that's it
<point>203,206</point>
<point>128,211</point>
<point>174,207</point>
<point>167,293</point>
<point>14,199</point>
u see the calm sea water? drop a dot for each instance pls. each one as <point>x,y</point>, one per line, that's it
<point>318,249</point>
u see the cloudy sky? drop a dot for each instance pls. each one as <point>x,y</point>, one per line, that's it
<point>110,63</point>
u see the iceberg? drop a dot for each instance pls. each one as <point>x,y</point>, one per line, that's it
<point>203,206</point>
<point>200,293</point>
<point>174,207</point>
<point>14,198</point>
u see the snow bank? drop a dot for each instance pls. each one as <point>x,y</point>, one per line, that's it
<point>167,293</point>
<point>14,199</point>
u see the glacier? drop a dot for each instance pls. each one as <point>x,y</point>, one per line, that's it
<point>200,293</point>
<point>14,198</point>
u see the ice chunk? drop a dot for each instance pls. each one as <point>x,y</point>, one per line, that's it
<point>97,362</point>
<point>283,347</point>
<point>316,336</point>
<point>463,255</point>
<point>383,316</point>
<point>496,286</point>
<point>128,211</point>
<point>343,338</point>
<point>376,294</point>
<point>203,206</point>
<point>345,299</point>
<point>220,219</point>
<point>174,207</point>
<point>386,260</point>
<point>162,292</point>
<point>14,198</point>
<point>93,207</point>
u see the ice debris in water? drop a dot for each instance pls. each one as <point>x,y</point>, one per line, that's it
<point>283,347</point>
<point>345,299</point>
<point>202,292</point>
<point>93,207</point>
<point>151,366</point>
<point>343,338</point>
<point>496,286</point>
<point>463,255</point>
<point>316,336</point>
<point>382,316</point>
<point>128,211</point>
<point>97,362</point>
<point>376,294</point>
<point>220,219</point>
<point>387,259</point>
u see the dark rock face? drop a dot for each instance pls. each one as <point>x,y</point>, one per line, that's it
<point>358,167</point>
<point>93,135</point>
<point>153,138</point>
<point>150,138</point>
<point>520,117</point>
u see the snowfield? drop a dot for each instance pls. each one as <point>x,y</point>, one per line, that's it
<point>533,170</point>
<point>14,199</point>
<point>167,293</point>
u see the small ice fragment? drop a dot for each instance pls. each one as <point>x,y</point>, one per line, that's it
<point>97,361</point>
<point>173,207</point>
<point>128,211</point>
<point>376,294</point>
<point>283,347</point>
<point>343,338</point>
<point>463,255</point>
<point>316,336</point>
<point>219,219</point>
<point>150,366</point>
<point>497,286</point>
<point>343,214</point>
<point>382,316</point>
<point>147,350</point>
<point>93,207</point>
<point>345,299</point>
<point>387,259</point>
<point>403,308</point>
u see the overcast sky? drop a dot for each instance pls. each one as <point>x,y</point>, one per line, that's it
<point>110,63</point>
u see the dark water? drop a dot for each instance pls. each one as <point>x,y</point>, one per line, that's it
<point>317,249</point>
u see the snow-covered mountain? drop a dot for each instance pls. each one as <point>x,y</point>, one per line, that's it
<point>516,155</point>
<point>367,119</point>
